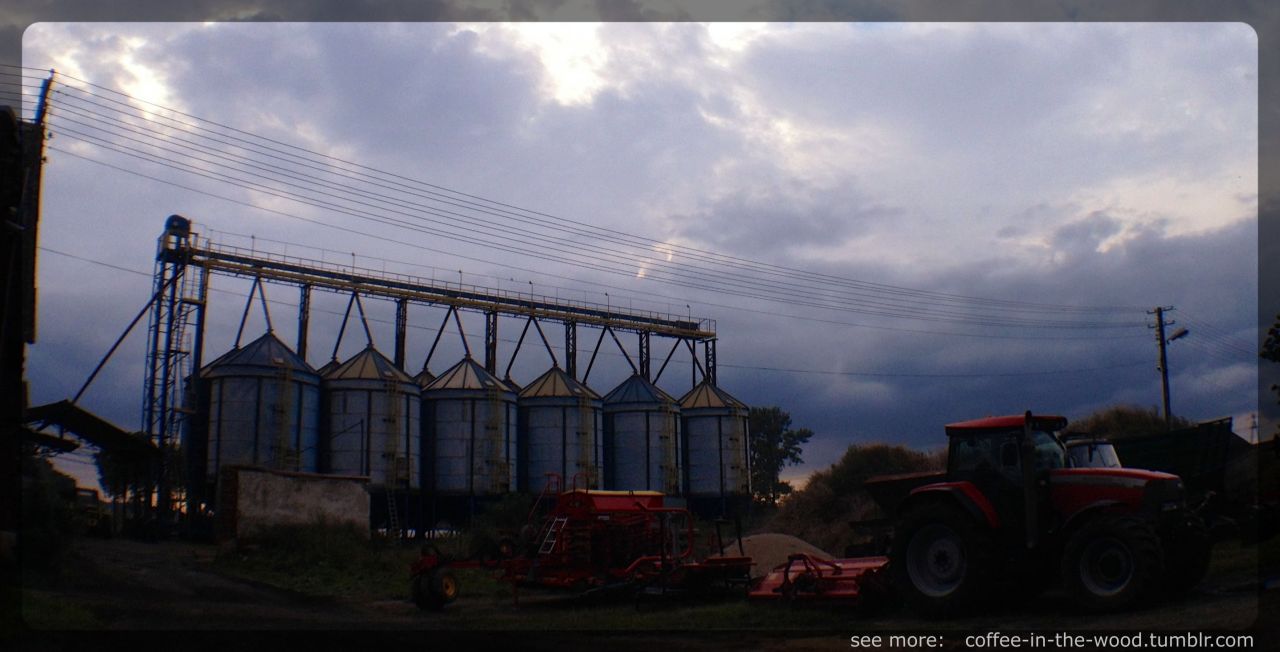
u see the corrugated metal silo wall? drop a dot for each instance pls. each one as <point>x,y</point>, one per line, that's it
<point>561,436</point>
<point>374,431</point>
<point>642,450</point>
<point>262,421</point>
<point>471,442</point>
<point>716,452</point>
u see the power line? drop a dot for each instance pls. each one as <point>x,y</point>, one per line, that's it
<point>788,315</point>
<point>647,241</point>
<point>893,290</point>
<point>926,316</point>
<point>1050,372</point>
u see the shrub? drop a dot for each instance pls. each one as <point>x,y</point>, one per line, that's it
<point>822,511</point>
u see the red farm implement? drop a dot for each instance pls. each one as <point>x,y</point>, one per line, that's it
<point>593,541</point>
<point>805,577</point>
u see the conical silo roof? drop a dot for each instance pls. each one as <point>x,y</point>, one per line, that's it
<point>368,365</point>
<point>265,354</point>
<point>217,362</point>
<point>424,378</point>
<point>328,367</point>
<point>637,390</point>
<point>512,385</point>
<point>708,396</point>
<point>556,383</point>
<point>467,375</point>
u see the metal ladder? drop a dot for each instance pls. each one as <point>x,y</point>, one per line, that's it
<point>549,542</point>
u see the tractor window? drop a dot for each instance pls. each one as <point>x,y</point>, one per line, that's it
<point>973,453</point>
<point>1049,451</point>
<point>1093,455</point>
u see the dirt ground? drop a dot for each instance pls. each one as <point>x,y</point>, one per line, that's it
<point>129,585</point>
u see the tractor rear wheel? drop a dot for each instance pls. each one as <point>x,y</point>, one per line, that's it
<point>1112,563</point>
<point>942,561</point>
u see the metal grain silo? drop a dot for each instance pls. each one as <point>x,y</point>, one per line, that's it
<point>373,412</point>
<point>641,438</point>
<point>716,452</point>
<point>560,432</point>
<point>263,408</point>
<point>468,431</point>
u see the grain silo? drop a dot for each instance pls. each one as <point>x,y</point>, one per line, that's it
<point>641,438</point>
<point>263,409</point>
<point>468,433</point>
<point>373,412</point>
<point>560,432</point>
<point>717,463</point>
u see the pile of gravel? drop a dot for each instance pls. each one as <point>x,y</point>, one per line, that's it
<point>769,550</point>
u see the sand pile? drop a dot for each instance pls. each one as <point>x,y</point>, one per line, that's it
<point>769,550</point>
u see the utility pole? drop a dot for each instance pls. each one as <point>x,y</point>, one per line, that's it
<point>1163,365</point>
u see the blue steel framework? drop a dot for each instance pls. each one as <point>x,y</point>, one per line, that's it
<point>174,354</point>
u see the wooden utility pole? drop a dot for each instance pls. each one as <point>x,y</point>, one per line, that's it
<point>1163,365</point>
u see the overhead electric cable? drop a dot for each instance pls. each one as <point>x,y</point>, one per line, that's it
<point>582,228</point>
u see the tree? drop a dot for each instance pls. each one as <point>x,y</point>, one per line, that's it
<point>774,445</point>
<point>1271,350</point>
<point>1120,421</point>
<point>833,498</point>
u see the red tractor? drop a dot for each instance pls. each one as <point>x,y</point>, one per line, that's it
<point>1010,510</point>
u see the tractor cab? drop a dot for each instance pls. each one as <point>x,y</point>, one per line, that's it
<point>996,446</point>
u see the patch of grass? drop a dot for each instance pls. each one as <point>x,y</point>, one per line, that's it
<point>324,561</point>
<point>42,611</point>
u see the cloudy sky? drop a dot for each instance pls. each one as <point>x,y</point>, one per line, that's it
<point>973,218</point>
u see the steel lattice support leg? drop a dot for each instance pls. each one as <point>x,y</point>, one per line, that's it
<point>709,350</point>
<point>644,354</point>
<point>571,349</point>
<point>491,342</point>
<point>402,324</point>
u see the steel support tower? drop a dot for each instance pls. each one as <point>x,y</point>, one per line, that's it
<point>173,352</point>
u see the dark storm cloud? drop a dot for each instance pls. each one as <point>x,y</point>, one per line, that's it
<point>1209,269</point>
<point>1082,236</point>
<point>770,222</point>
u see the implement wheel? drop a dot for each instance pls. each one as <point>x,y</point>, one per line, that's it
<point>1112,563</point>
<point>941,561</point>
<point>433,590</point>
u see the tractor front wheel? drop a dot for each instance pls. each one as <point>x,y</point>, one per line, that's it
<point>942,561</point>
<point>1112,563</point>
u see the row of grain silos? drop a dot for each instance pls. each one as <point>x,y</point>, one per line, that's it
<point>467,433</point>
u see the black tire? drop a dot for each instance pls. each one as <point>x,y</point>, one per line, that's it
<point>1187,551</point>
<point>1112,563</point>
<point>942,561</point>
<point>435,589</point>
